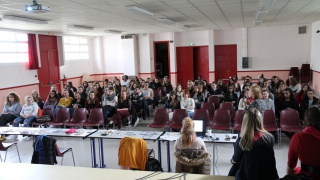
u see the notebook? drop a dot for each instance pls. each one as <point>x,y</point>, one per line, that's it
<point>200,128</point>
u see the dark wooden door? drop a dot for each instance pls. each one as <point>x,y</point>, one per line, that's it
<point>225,61</point>
<point>49,72</point>
<point>185,68</point>
<point>201,62</point>
<point>162,59</point>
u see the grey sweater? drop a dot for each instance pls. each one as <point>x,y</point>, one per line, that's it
<point>13,109</point>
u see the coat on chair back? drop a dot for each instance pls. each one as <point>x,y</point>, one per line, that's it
<point>44,151</point>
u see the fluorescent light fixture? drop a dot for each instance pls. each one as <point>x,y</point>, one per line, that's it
<point>138,10</point>
<point>113,31</point>
<point>261,14</point>
<point>257,22</point>
<point>24,19</point>
<point>80,27</point>
<point>184,27</point>
<point>166,21</point>
<point>266,3</point>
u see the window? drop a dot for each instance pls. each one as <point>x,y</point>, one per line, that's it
<point>13,47</point>
<point>75,48</point>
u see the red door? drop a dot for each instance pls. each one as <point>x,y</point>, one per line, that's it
<point>225,61</point>
<point>185,66</point>
<point>202,62</point>
<point>49,72</point>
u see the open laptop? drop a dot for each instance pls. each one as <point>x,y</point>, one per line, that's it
<point>200,128</point>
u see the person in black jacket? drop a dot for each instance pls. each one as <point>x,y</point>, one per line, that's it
<point>231,96</point>
<point>253,156</point>
<point>138,103</point>
<point>288,101</point>
<point>307,102</point>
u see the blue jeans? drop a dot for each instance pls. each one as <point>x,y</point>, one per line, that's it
<point>26,121</point>
<point>190,114</point>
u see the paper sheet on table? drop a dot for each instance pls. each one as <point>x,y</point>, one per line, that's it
<point>169,137</point>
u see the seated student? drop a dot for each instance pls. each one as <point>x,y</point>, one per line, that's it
<point>288,102</point>
<point>96,92</point>
<point>172,103</point>
<point>71,93</point>
<point>198,97</point>
<point>190,85</point>
<point>302,93</point>
<point>294,85</point>
<point>187,103</point>
<point>190,141</point>
<point>138,102</point>
<point>54,87</point>
<point>132,88</point>
<point>269,102</point>
<point>82,93</point>
<point>37,99</point>
<point>151,83</point>
<point>117,87</point>
<point>71,87</point>
<point>11,110</point>
<point>305,146</point>
<point>271,96</point>
<point>109,103</point>
<point>166,83</point>
<point>28,113</point>
<point>179,92</point>
<point>244,102</point>
<point>214,90</point>
<point>123,111</point>
<point>125,81</point>
<point>77,102</point>
<point>86,87</point>
<point>231,97</point>
<point>254,145</point>
<point>202,90</point>
<point>91,102</point>
<point>222,86</point>
<point>307,102</point>
<point>279,97</point>
<point>157,84</point>
<point>52,100</point>
<point>148,96</point>
<point>65,101</point>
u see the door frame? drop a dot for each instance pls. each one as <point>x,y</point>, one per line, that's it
<point>155,57</point>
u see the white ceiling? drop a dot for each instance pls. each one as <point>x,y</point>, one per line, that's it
<point>197,14</point>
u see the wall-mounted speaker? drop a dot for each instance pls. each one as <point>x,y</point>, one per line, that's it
<point>245,62</point>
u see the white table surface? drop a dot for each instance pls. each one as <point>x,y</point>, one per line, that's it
<point>115,134</point>
<point>217,137</point>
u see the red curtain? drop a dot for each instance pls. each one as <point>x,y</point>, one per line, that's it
<point>33,52</point>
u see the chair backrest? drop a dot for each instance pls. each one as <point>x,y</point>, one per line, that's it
<point>96,116</point>
<point>215,100</point>
<point>161,116</point>
<point>79,115</point>
<point>222,118</point>
<point>210,107</point>
<point>269,119</point>
<point>163,91</point>
<point>48,111</point>
<point>228,106</point>
<point>289,118</point>
<point>238,120</point>
<point>63,115</point>
<point>157,94</point>
<point>202,114</point>
<point>178,116</point>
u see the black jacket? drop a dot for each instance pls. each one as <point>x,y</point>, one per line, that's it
<point>44,151</point>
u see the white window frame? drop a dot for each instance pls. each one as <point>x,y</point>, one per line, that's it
<point>14,54</point>
<point>76,48</point>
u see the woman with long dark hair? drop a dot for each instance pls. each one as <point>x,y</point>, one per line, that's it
<point>123,111</point>
<point>52,100</point>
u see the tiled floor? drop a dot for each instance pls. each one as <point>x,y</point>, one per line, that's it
<point>82,154</point>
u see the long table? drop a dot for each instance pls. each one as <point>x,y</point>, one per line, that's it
<point>114,134</point>
<point>213,138</point>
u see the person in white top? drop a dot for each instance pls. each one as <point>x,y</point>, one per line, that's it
<point>28,113</point>
<point>125,81</point>
<point>109,101</point>
<point>294,85</point>
<point>189,139</point>
<point>269,102</point>
<point>148,96</point>
<point>243,103</point>
<point>187,103</point>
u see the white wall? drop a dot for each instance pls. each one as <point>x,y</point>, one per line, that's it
<point>277,47</point>
<point>113,54</point>
<point>315,46</point>
<point>198,38</point>
<point>146,57</point>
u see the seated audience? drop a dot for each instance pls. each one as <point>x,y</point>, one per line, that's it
<point>82,93</point>
<point>166,83</point>
<point>92,102</point>
<point>148,96</point>
<point>28,113</point>
<point>288,102</point>
<point>305,146</point>
<point>269,102</point>
<point>214,90</point>
<point>254,145</point>
<point>258,102</point>
<point>172,103</point>
<point>157,84</point>
<point>77,102</point>
<point>71,87</point>
<point>187,103</point>
<point>11,110</point>
<point>54,87</point>
<point>37,99</point>
<point>302,93</point>
<point>244,102</point>
<point>294,85</point>
<point>125,81</point>
<point>109,103</point>
<point>117,87</point>
<point>86,87</point>
<point>222,86</point>
<point>123,111</point>
<point>190,85</point>
<point>52,100</point>
<point>179,92</point>
<point>138,103</point>
<point>307,102</point>
<point>198,97</point>
<point>231,97</point>
<point>96,92</point>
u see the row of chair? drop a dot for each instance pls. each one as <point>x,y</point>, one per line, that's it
<point>79,117</point>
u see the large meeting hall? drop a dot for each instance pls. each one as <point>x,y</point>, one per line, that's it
<point>222,56</point>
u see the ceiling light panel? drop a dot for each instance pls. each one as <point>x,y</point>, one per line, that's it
<point>261,14</point>
<point>24,19</point>
<point>138,10</point>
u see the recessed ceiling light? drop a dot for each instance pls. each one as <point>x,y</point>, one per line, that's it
<point>24,19</point>
<point>80,27</point>
<point>166,21</point>
<point>138,10</point>
<point>113,31</point>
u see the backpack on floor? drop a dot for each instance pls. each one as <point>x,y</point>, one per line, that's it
<point>152,163</point>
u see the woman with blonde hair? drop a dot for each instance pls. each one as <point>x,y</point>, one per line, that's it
<point>253,156</point>
<point>258,102</point>
<point>189,139</point>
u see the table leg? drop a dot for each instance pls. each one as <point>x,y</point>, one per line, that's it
<point>93,153</point>
<point>213,157</point>
<point>168,156</point>
<point>159,152</point>
<point>101,154</point>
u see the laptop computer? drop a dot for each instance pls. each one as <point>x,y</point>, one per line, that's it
<point>200,128</point>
